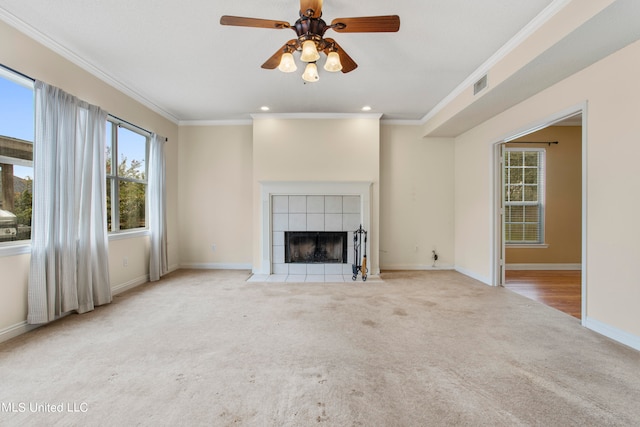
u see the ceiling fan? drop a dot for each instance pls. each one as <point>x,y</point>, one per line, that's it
<point>310,29</point>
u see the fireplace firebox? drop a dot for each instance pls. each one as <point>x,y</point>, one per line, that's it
<point>310,247</point>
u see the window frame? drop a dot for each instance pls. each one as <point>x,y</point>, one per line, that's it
<point>541,196</point>
<point>115,230</point>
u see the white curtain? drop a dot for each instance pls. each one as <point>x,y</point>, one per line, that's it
<point>158,265</point>
<point>69,255</point>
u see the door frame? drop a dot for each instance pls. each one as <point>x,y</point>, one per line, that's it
<point>498,246</point>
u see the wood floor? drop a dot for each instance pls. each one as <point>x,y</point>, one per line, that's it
<point>561,290</point>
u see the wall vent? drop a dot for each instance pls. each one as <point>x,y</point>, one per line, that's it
<point>480,84</point>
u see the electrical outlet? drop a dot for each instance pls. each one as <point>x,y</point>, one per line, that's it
<point>125,262</point>
<point>213,247</point>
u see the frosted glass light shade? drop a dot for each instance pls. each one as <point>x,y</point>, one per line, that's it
<point>309,52</point>
<point>287,64</point>
<point>333,63</point>
<point>311,73</point>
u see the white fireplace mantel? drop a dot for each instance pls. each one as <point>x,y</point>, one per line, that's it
<point>311,188</point>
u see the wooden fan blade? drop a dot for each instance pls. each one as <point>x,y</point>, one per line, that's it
<point>348,64</point>
<point>273,62</point>
<point>314,5</point>
<point>367,24</point>
<point>239,21</point>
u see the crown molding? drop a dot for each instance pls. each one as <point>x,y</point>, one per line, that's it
<point>246,122</point>
<point>316,116</point>
<point>401,122</point>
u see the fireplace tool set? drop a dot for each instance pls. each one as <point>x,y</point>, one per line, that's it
<point>360,243</point>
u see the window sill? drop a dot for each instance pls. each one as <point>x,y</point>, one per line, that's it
<point>123,235</point>
<point>526,245</point>
<point>15,248</point>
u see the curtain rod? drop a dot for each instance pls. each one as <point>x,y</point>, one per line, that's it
<point>533,142</point>
<point>135,126</point>
<point>17,72</point>
<point>129,123</point>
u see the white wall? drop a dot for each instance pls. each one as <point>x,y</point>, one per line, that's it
<point>215,196</point>
<point>613,95</point>
<point>416,194</point>
<point>23,54</point>
<point>416,185</point>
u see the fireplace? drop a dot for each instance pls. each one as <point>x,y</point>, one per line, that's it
<point>335,207</point>
<point>309,247</point>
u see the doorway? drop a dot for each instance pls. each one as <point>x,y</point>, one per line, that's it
<point>540,248</point>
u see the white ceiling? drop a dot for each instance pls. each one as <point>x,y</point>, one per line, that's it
<point>175,56</point>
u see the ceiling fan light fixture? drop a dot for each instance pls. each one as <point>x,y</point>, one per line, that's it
<point>287,63</point>
<point>333,63</point>
<point>309,51</point>
<point>311,73</point>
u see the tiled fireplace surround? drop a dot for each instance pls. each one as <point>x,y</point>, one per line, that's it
<point>310,206</point>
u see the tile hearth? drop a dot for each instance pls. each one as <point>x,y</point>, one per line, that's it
<point>310,278</point>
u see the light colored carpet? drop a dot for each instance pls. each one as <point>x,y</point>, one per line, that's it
<point>417,349</point>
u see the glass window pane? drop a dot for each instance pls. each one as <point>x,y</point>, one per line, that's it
<point>516,233</point>
<point>531,233</point>
<point>515,158</point>
<point>514,193</point>
<point>126,195</point>
<point>530,193</point>
<point>16,159</point>
<point>517,213</point>
<point>531,176</point>
<point>531,158</point>
<point>132,205</point>
<point>515,175</point>
<point>109,205</point>
<point>132,154</point>
<point>532,213</point>
<point>108,155</point>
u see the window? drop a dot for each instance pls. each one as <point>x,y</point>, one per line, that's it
<point>126,157</point>
<point>16,156</point>
<point>524,195</point>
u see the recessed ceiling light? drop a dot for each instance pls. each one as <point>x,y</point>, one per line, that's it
<point>366,108</point>
<point>264,108</point>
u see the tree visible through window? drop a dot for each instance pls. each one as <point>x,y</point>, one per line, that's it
<point>16,156</point>
<point>126,158</point>
<point>524,195</point>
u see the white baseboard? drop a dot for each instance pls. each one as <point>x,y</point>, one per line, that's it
<point>615,334</point>
<point>414,267</point>
<point>16,330</point>
<point>216,266</point>
<point>118,289</point>
<point>543,267</point>
<point>473,275</point>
